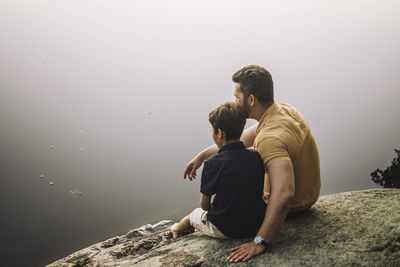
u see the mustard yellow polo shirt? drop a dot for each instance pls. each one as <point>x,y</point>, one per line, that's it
<point>283,134</point>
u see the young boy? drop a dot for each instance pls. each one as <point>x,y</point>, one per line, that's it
<point>235,175</point>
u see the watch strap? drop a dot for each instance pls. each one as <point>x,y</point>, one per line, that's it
<point>263,243</point>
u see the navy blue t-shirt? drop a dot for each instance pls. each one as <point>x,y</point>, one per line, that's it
<point>236,176</point>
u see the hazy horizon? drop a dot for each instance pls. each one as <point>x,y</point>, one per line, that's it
<point>122,90</point>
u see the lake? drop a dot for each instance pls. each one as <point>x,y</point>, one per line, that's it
<point>103,103</point>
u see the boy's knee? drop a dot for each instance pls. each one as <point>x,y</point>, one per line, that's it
<point>197,217</point>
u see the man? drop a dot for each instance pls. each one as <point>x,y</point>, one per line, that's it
<point>283,139</point>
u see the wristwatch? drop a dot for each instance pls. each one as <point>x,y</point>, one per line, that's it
<point>259,240</point>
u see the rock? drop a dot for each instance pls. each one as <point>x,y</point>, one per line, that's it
<point>148,229</point>
<point>360,228</point>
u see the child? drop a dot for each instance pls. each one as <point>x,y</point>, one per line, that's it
<point>235,175</point>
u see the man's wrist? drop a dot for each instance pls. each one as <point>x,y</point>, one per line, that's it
<point>259,240</point>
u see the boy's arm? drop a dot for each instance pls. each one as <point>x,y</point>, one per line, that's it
<point>205,202</point>
<point>247,138</point>
<point>196,162</point>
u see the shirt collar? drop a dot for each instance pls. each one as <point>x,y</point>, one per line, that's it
<point>267,114</point>
<point>232,146</point>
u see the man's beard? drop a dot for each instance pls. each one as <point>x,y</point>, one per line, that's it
<point>246,109</point>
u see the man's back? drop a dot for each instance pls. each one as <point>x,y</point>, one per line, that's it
<point>283,133</point>
<point>235,176</point>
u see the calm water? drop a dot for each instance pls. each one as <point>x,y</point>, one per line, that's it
<point>112,99</point>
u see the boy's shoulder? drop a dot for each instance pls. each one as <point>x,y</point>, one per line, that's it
<point>242,154</point>
<point>252,155</point>
<point>253,151</point>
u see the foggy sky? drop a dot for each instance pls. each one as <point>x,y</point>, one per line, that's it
<point>133,82</point>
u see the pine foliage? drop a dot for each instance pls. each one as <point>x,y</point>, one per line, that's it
<point>389,178</point>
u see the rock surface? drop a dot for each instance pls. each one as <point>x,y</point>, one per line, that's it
<point>360,228</point>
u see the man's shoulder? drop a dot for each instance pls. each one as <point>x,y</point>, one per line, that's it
<point>286,130</point>
<point>285,122</point>
<point>271,134</point>
<point>286,105</point>
<point>292,115</point>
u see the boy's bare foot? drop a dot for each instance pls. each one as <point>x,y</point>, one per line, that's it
<point>175,233</point>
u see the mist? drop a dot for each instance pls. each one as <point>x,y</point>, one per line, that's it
<point>122,91</point>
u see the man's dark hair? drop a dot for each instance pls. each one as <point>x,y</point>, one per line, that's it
<point>257,81</point>
<point>230,118</point>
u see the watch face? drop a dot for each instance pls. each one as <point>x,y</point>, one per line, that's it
<point>258,240</point>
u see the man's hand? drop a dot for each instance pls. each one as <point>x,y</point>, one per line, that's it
<point>191,167</point>
<point>245,252</point>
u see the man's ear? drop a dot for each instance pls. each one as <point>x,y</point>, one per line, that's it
<point>251,100</point>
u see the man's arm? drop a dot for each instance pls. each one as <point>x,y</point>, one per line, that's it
<point>248,136</point>
<point>282,194</point>
<point>205,202</point>
<point>190,171</point>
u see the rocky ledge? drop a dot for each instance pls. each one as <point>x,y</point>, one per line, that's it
<point>360,228</point>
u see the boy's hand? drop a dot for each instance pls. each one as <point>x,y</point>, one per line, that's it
<point>191,168</point>
<point>245,252</point>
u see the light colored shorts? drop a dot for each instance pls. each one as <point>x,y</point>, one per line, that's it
<point>198,219</point>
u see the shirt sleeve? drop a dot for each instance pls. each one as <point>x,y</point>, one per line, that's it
<point>209,178</point>
<point>272,149</point>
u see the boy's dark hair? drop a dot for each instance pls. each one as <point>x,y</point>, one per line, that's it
<point>230,118</point>
<point>257,81</point>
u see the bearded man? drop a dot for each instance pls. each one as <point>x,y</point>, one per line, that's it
<point>284,140</point>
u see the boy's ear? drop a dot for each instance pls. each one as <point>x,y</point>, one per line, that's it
<point>219,133</point>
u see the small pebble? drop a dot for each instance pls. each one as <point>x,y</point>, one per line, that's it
<point>51,183</point>
<point>41,176</point>
<point>82,149</point>
<point>52,147</point>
